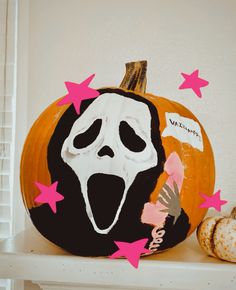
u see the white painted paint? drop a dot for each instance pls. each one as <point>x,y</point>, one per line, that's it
<point>29,256</point>
<point>184,129</point>
<point>112,109</point>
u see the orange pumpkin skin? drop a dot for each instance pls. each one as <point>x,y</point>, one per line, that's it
<point>199,167</point>
<point>199,170</point>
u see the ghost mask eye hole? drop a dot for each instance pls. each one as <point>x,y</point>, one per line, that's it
<point>89,136</point>
<point>130,139</point>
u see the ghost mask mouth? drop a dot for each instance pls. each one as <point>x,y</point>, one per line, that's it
<point>105,194</point>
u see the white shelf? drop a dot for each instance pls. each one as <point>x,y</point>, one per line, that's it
<point>29,256</point>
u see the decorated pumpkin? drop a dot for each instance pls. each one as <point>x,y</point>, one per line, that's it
<point>217,236</point>
<point>120,165</point>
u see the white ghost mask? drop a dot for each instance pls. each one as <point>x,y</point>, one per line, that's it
<point>119,144</point>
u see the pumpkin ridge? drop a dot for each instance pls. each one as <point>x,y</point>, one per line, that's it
<point>212,238</point>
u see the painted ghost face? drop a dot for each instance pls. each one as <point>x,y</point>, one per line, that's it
<point>111,139</point>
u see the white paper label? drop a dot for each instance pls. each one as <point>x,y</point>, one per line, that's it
<point>184,129</point>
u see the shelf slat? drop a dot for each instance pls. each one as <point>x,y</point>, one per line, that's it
<point>183,267</point>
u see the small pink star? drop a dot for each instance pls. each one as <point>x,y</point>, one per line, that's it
<point>193,82</point>
<point>212,201</point>
<point>132,251</point>
<point>49,195</point>
<point>78,93</point>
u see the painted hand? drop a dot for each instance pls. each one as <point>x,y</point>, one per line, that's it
<point>170,199</point>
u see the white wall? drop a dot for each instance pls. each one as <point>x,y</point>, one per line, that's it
<point>70,39</point>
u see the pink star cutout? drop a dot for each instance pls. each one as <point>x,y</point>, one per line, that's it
<point>212,201</point>
<point>132,251</point>
<point>193,82</point>
<point>78,93</point>
<point>49,195</point>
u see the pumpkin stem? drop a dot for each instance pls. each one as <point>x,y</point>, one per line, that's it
<point>135,76</point>
<point>233,213</point>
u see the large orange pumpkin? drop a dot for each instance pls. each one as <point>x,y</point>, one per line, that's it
<point>157,160</point>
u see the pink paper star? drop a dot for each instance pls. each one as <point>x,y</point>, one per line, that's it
<point>49,195</point>
<point>193,82</point>
<point>78,93</point>
<point>132,251</point>
<point>212,201</point>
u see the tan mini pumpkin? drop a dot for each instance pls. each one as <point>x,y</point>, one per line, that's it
<point>217,236</point>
